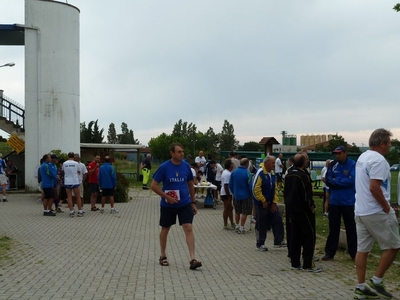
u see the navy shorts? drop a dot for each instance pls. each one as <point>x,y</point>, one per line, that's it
<point>279,177</point>
<point>107,192</point>
<point>48,193</point>
<point>168,215</point>
<point>62,195</point>
<point>94,188</point>
<point>218,184</point>
<point>71,186</point>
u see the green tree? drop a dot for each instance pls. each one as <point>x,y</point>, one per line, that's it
<point>397,7</point>
<point>160,146</point>
<point>251,146</point>
<point>126,136</point>
<point>212,142</point>
<point>227,138</point>
<point>97,135</point>
<point>112,134</point>
<point>91,133</point>
<point>393,156</point>
<point>336,141</point>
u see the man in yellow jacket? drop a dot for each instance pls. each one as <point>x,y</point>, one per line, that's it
<point>265,195</point>
<point>146,170</point>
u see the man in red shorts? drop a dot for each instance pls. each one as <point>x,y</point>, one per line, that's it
<point>93,171</point>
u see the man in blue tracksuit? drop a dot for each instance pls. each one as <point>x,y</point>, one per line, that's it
<point>240,186</point>
<point>49,177</point>
<point>107,184</point>
<point>265,194</point>
<point>340,178</point>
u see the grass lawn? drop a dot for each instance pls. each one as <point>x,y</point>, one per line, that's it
<point>392,276</point>
<point>5,246</point>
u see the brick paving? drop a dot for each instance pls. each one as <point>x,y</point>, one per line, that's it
<point>115,256</point>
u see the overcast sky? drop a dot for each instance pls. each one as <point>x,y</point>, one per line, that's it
<point>305,67</point>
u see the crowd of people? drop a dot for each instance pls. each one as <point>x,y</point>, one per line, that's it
<point>64,180</point>
<point>358,192</point>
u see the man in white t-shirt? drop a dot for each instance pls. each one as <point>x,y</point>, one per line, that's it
<point>81,175</point>
<point>375,219</point>
<point>226,195</point>
<point>201,161</point>
<point>71,183</point>
<point>218,178</point>
<point>279,170</point>
<point>325,188</point>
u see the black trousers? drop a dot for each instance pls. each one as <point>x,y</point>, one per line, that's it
<point>336,212</point>
<point>267,219</point>
<point>288,227</point>
<point>303,236</point>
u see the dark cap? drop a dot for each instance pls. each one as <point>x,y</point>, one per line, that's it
<point>53,156</point>
<point>339,149</point>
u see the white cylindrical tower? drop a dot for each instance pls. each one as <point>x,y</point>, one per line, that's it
<point>52,116</point>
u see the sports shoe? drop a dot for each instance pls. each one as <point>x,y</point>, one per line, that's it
<point>49,214</point>
<point>59,210</point>
<point>241,231</point>
<point>313,269</point>
<point>72,213</point>
<point>253,220</point>
<point>5,200</point>
<point>113,211</point>
<point>80,213</point>
<point>94,208</point>
<point>228,227</point>
<point>262,248</point>
<point>365,294</point>
<point>314,258</point>
<point>326,215</point>
<point>102,210</point>
<point>327,258</point>
<point>379,289</point>
<point>281,245</point>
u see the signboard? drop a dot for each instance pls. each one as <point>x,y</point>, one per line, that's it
<point>16,143</point>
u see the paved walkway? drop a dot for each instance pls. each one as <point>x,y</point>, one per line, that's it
<point>105,256</point>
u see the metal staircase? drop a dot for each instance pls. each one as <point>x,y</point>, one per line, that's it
<point>12,116</point>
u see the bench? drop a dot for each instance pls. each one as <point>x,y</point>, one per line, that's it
<point>129,174</point>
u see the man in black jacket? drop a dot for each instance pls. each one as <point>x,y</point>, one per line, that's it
<point>300,205</point>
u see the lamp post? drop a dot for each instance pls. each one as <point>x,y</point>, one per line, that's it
<point>10,64</point>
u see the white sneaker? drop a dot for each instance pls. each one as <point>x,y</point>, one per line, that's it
<point>102,210</point>
<point>80,213</point>
<point>113,211</point>
<point>262,248</point>
<point>241,231</point>
<point>72,213</point>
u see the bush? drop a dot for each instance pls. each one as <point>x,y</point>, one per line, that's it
<point>120,194</point>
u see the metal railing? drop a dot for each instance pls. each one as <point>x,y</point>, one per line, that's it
<point>12,111</point>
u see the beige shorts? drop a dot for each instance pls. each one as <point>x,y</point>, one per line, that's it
<point>3,179</point>
<point>80,191</point>
<point>381,227</point>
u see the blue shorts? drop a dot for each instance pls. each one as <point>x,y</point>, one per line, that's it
<point>71,186</point>
<point>48,193</point>
<point>94,188</point>
<point>168,215</point>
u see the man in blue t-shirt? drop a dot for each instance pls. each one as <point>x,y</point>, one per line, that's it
<point>177,199</point>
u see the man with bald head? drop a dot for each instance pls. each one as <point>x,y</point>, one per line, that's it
<point>300,205</point>
<point>240,186</point>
